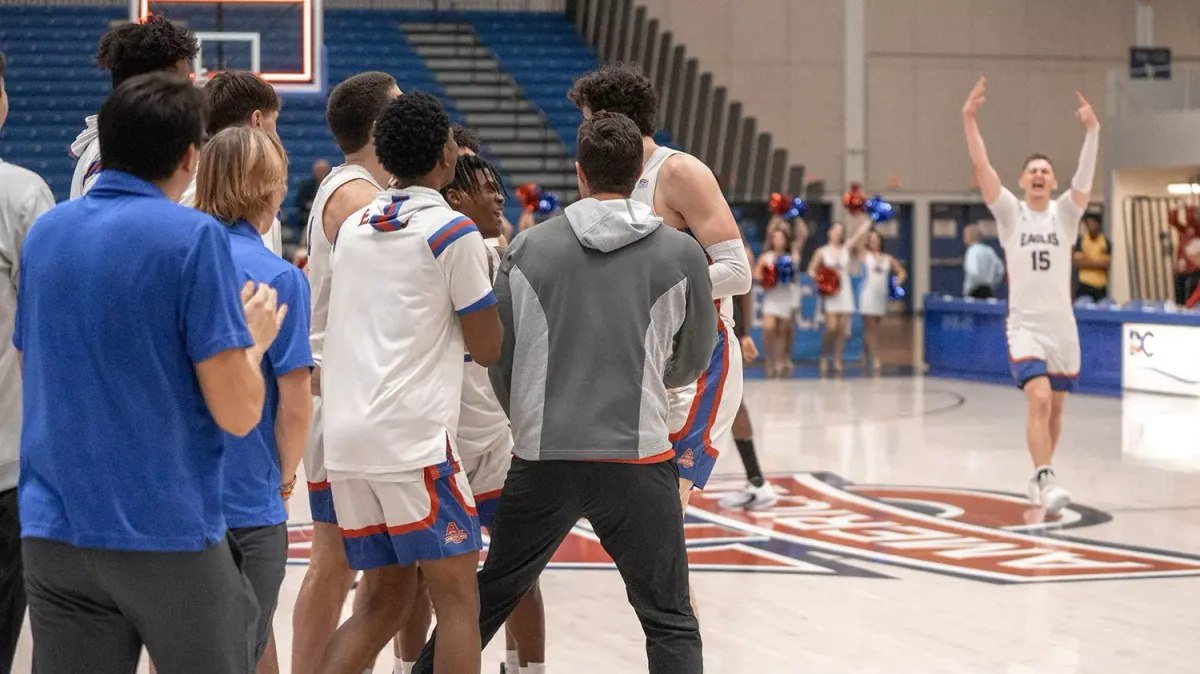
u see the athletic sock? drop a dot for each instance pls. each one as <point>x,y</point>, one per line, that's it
<point>403,667</point>
<point>512,663</point>
<point>750,461</point>
<point>1044,475</point>
<point>534,668</point>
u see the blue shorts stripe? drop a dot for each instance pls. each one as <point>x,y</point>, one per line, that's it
<point>454,531</point>
<point>693,451</point>
<point>320,502</point>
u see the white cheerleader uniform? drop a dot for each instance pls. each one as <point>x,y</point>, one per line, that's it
<point>873,297</point>
<point>782,299</point>
<point>841,302</point>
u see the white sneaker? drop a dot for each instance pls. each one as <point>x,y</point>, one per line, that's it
<point>1034,491</point>
<point>752,498</point>
<point>1053,498</point>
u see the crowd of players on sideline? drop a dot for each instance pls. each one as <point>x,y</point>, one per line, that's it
<point>171,365</point>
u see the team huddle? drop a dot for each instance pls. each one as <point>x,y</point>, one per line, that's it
<point>420,372</point>
<point>427,374</point>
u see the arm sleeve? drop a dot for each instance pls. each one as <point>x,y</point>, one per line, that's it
<point>1006,210</point>
<point>10,249</point>
<point>290,350</point>
<point>729,272</point>
<point>36,203</point>
<point>1069,214</point>
<point>211,305</point>
<point>697,336</point>
<point>500,373</point>
<point>1085,172</point>
<point>462,256</point>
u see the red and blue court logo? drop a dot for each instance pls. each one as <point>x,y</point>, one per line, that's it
<point>827,526</point>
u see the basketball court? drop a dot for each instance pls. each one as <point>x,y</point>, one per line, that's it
<point>903,543</point>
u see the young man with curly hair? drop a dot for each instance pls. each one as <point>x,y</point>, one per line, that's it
<point>393,377</point>
<point>127,51</point>
<point>682,191</point>
<point>485,441</point>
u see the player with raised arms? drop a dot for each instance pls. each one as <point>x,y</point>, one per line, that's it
<point>684,193</point>
<point>1038,236</point>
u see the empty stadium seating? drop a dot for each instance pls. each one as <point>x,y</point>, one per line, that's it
<point>53,81</point>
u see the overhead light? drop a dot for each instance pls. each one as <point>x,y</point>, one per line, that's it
<point>1183,188</point>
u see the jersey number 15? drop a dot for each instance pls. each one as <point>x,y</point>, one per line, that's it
<point>1041,260</point>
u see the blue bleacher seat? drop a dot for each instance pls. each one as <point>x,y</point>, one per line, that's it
<point>53,81</point>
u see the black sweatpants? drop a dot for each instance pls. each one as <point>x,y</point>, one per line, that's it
<point>12,582</point>
<point>634,509</point>
<point>92,610</point>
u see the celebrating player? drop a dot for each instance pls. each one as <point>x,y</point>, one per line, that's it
<point>128,50</point>
<point>353,106</point>
<point>392,385</point>
<point>684,193</point>
<point>1038,234</point>
<point>485,441</point>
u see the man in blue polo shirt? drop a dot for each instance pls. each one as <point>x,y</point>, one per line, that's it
<point>137,354</point>
<point>242,180</point>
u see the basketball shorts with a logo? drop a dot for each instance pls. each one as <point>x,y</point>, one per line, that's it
<point>703,411</point>
<point>320,496</point>
<point>1044,349</point>
<point>395,519</point>
<point>486,471</point>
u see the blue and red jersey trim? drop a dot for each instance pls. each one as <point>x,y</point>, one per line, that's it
<point>449,233</point>
<point>384,222</point>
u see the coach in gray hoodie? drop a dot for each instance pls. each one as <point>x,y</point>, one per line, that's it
<point>604,309</point>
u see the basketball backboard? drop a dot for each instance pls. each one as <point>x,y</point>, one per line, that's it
<point>279,39</point>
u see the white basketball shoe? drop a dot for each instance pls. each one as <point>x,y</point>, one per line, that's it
<point>1045,492</point>
<point>752,498</point>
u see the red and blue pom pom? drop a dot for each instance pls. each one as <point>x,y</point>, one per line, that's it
<point>535,200</point>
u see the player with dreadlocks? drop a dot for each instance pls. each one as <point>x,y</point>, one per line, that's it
<point>485,442</point>
<point>126,51</point>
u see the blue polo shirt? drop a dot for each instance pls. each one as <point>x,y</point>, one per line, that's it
<point>252,478</point>
<point>122,292</point>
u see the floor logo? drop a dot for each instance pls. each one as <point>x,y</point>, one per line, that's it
<point>821,519</point>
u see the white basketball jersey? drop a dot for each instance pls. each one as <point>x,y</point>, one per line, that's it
<point>86,152</point>
<point>1038,246</point>
<point>644,190</point>
<point>320,250</point>
<point>481,419</point>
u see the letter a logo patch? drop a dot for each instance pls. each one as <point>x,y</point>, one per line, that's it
<point>688,460</point>
<point>454,534</point>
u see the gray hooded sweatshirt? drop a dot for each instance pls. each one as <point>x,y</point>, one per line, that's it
<point>604,309</point>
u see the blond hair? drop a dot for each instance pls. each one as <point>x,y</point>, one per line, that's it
<point>242,174</point>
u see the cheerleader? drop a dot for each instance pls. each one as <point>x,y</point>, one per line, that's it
<point>830,266</point>
<point>776,273</point>
<point>878,270</point>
